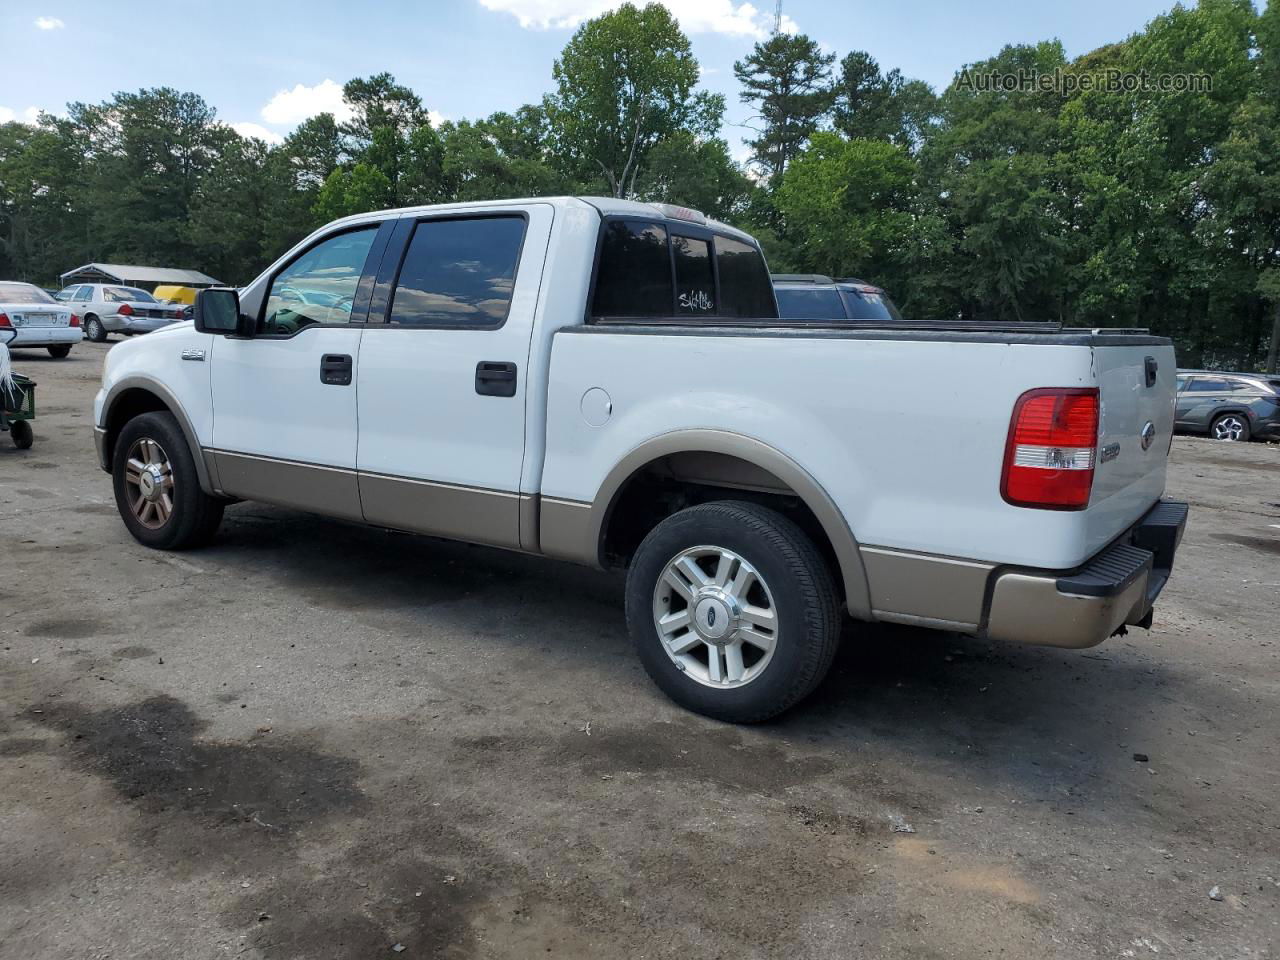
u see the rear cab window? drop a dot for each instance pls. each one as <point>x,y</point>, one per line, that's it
<point>648,270</point>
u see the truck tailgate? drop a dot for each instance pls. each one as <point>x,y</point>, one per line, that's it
<point>1136,386</point>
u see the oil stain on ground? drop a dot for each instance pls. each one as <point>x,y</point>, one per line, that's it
<point>151,754</point>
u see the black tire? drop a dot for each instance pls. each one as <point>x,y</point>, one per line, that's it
<point>195,515</point>
<point>21,434</point>
<point>804,597</point>
<point>1239,418</point>
<point>60,351</point>
<point>94,330</point>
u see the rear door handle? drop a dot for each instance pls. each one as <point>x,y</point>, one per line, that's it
<point>335,369</point>
<point>496,378</point>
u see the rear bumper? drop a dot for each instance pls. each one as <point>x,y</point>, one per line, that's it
<point>1115,588</point>
<point>142,325</point>
<point>46,336</point>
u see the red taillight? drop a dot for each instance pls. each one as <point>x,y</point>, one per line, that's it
<point>1050,454</point>
<point>126,310</point>
<point>4,321</point>
<point>75,320</point>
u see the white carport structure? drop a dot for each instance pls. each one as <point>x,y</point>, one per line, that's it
<point>133,276</point>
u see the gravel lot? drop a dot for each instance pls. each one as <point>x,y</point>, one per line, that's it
<point>318,740</point>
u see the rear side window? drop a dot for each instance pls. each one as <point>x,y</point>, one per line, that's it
<point>816,304</point>
<point>745,287</point>
<point>695,278</point>
<point>869,305</point>
<point>458,273</point>
<point>634,276</point>
<point>1205,385</point>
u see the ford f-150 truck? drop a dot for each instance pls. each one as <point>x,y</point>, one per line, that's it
<point>607,382</point>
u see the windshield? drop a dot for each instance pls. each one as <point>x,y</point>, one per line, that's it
<point>869,303</point>
<point>122,294</point>
<point>23,293</point>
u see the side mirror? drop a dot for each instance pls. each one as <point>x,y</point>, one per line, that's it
<point>217,310</point>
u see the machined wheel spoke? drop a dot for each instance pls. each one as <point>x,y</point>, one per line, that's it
<point>758,639</point>
<point>742,582</point>
<point>685,643</point>
<point>674,621</point>
<point>165,507</point>
<point>734,667</point>
<point>133,470</point>
<point>693,573</point>
<point>678,584</point>
<point>760,617</point>
<point>715,667</point>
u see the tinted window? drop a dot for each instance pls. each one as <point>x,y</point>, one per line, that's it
<point>818,303</point>
<point>1243,386</point>
<point>745,287</point>
<point>1205,385</point>
<point>634,276</point>
<point>695,279</point>
<point>869,304</point>
<point>458,273</point>
<point>319,286</point>
<point>23,293</point>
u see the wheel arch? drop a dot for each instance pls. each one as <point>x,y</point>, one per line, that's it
<point>132,396</point>
<point>720,451</point>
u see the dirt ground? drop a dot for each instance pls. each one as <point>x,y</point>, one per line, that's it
<point>318,740</point>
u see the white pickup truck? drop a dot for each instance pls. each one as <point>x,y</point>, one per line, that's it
<point>607,382</point>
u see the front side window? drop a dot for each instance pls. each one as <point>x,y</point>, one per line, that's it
<point>745,287</point>
<point>695,277</point>
<point>319,286</point>
<point>458,273</point>
<point>634,276</point>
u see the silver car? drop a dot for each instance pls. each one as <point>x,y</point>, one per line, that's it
<point>105,308</point>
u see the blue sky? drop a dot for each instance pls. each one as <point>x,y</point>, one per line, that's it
<point>266,63</point>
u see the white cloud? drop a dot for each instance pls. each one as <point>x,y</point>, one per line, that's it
<point>695,16</point>
<point>291,107</point>
<point>249,129</point>
<point>435,117</point>
<point>49,23</point>
<point>29,115</point>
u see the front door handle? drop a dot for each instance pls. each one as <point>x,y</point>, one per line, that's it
<point>496,378</point>
<point>335,369</point>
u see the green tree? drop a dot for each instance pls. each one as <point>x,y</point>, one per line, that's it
<point>624,82</point>
<point>696,172</point>
<point>358,190</point>
<point>875,106</point>
<point>787,80</point>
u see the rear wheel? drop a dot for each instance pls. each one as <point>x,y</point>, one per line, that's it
<point>157,490</point>
<point>94,330</point>
<point>1230,426</point>
<point>60,351</point>
<point>21,434</point>
<point>732,610</point>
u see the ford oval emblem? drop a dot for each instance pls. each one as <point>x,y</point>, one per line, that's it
<point>711,616</point>
<point>1148,435</point>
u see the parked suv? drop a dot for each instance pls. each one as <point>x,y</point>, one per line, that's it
<point>110,308</point>
<point>812,296</point>
<point>1228,406</point>
<point>608,382</point>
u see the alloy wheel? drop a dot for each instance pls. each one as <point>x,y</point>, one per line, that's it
<point>1228,428</point>
<point>715,617</point>
<point>148,480</point>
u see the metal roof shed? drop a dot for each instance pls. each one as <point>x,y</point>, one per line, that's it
<point>132,276</point>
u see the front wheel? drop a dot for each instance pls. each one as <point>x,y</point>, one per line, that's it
<point>157,490</point>
<point>94,330</point>
<point>732,610</point>
<point>59,351</point>
<point>1230,426</point>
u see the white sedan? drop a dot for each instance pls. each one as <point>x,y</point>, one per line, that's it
<point>37,319</point>
<point>106,308</point>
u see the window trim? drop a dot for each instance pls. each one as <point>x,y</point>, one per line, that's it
<point>383,322</point>
<point>374,253</point>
